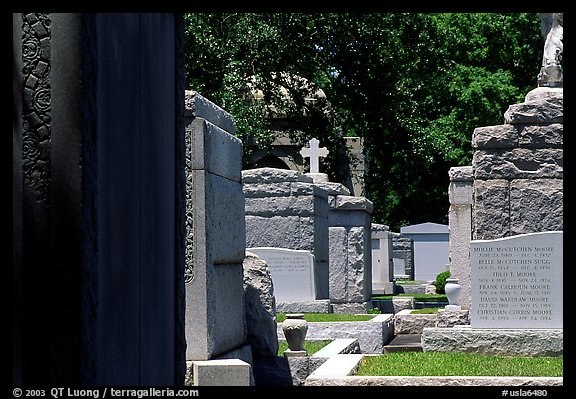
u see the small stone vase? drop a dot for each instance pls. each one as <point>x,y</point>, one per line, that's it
<point>452,289</point>
<point>295,329</point>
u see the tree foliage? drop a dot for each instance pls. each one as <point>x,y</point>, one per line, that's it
<point>413,85</point>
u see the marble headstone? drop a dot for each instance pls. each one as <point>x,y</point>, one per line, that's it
<point>517,281</point>
<point>292,272</point>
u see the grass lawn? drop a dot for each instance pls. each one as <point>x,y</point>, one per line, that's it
<point>310,346</point>
<point>325,317</point>
<point>459,364</point>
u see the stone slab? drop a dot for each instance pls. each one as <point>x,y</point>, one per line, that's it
<point>213,149</point>
<point>221,372</point>
<point>338,347</point>
<point>513,342</point>
<point>407,323</point>
<point>338,365</point>
<point>197,106</point>
<point>517,282</point>
<point>316,306</point>
<point>273,175</point>
<point>292,272</point>
<point>379,381</point>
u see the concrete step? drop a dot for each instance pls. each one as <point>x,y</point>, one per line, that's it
<point>404,343</point>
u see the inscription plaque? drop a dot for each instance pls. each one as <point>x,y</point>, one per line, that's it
<point>292,272</point>
<point>517,282</point>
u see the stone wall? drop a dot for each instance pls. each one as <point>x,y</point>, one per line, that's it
<point>518,169</point>
<point>285,209</point>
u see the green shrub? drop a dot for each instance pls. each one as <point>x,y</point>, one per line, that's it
<point>441,281</point>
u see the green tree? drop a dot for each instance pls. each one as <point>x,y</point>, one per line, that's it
<point>414,85</point>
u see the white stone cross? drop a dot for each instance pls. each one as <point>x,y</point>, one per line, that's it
<point>314,153</point>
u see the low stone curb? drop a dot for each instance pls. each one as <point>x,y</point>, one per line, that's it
<point>431,381</point>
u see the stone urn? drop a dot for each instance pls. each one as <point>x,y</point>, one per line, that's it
<point>452,289</point>
<point>295,329</point>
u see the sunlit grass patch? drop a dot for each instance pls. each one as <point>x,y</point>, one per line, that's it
<point>459,364</point>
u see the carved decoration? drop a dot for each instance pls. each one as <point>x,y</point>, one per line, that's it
<point>36,103</point>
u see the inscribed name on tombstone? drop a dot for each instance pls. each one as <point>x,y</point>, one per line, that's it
<point>517,282</point>
<point>292,272</point>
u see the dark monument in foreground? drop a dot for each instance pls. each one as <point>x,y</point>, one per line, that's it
<point>97,238</point>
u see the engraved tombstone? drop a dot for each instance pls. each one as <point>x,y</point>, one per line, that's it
<point>517,282</point>
<point>292,272</point>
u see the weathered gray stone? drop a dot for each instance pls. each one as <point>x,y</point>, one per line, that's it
<point>283,189</point>
<point>491,211</point>
<point>349,218</point>
<point>317,306</point>
<point>214,151</point>
<point>333,188</point>
<point>499,136</point>
<point>536,205</point>
<point>222,372</point>
<point>430,289</point>
<point>460,173</point>
<point>273,175</point>
<point>553,95</point>
<point>403,256</point>
<point>514,342</point>
<point>460,195</point>
<point>407,323</point>
<point>411,288</point>
<point>379,381</point>
<point>243,353</point>
<point>215,244</point>
<point>283,232</point>
<point>220,224</point>
<point>535,112</point>
<point>260,306</point>
<point>338,263</point>
<point>302,206</point>
<point>346,202</point>
<point>197,106</point>
<point>451,318</point>
<point>519,163</point>
<point>318,177</point>
<point>541,136</point>
<point>378,227</point>
<point>299,369</point>
<point>400,304</point>
<point>350,275</point>
<point>294,216</point>
<point>504,208</point>
<point>351,307</point>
